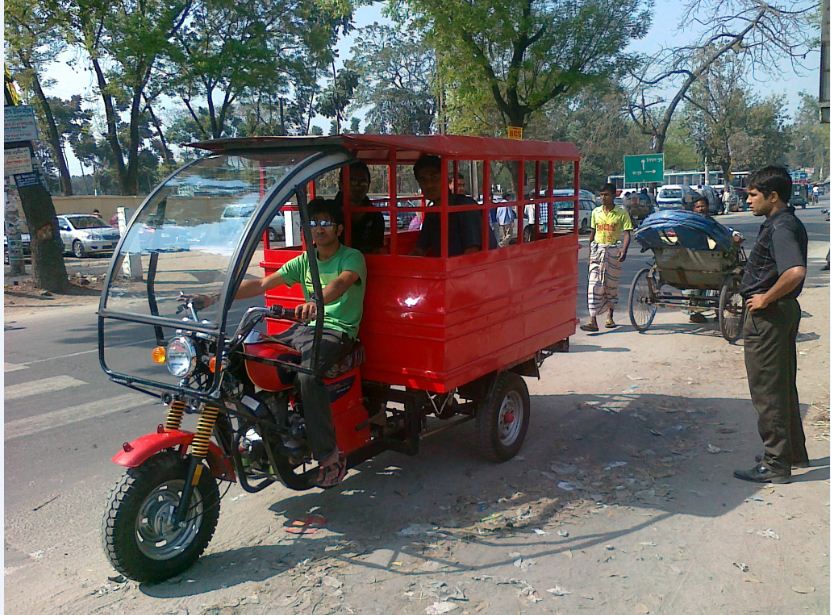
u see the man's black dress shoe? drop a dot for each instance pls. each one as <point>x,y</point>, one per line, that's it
<point>761,473</point>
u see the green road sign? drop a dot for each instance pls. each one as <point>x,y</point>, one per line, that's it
<point>643,168</point>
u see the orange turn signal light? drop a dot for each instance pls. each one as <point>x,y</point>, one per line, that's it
<point>212,364</point>
<point>158,355</point>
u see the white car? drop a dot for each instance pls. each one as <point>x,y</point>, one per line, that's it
<point>564,211</point>
<point>674,196</point>
<point>83,234</point>
<point>244,209</point>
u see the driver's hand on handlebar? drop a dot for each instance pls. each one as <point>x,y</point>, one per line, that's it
<point>306,311</point>
<point>199,302</point>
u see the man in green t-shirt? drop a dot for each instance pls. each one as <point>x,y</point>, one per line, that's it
<point>343,279</point>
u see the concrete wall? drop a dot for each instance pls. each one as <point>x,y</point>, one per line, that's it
<point>85,204</point>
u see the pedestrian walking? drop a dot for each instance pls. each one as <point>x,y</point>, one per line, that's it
<point>772,281</point>
<point>609,241</point>
<point>505,217</point>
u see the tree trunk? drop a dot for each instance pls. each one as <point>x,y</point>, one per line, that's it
<point>166,153</point>
<point>112,129</point>
<point>131,183</point>
<point>48,268</point>
<point>54,137</point>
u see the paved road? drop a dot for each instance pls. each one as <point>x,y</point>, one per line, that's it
<point>64,419</point>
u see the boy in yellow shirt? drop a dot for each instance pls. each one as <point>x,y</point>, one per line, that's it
<point>609,241</point>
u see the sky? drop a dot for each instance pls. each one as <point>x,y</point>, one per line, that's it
<point>70,77</point>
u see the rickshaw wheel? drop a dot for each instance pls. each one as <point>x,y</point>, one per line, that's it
<point>641,301</point>
<point>141,539</point>
<point>503,419</point>
<point>731,310</point>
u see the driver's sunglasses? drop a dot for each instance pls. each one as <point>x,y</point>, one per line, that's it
<point>320,223</point>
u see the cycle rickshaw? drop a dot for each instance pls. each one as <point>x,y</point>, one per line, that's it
<point>692,253</point>
<point>443,340</point>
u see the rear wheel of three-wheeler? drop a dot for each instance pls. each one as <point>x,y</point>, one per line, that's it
<point>642,307</point>
<point>731,310</point>
<point>502,420</point>
<point>141,538</point>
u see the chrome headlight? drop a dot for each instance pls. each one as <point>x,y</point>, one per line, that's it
<point>180,357</point>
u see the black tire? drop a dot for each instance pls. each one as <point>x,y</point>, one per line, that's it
<point>584,226</point>
<point>642,308</point>
<point>502,421</point>
<point>731,310</point>
<point>141,503</point>
<point>529,234</point>
<point>78,249</point>
<point>272,235</point>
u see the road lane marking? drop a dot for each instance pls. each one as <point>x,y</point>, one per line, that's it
<point>44,385</point>
<point>13,367</point>
<point>67,416</point>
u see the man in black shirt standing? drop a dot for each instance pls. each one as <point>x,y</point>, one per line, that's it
<point>772,281</point>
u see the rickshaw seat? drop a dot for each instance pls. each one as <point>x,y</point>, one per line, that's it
<point>352,359</point>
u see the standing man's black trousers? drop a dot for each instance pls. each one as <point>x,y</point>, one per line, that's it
<point>770,359</point>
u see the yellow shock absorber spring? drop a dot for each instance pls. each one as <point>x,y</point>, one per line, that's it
<point>204,429</point>
<point>174,415</point>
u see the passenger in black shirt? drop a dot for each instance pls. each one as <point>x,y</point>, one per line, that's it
<point>465,233</point>
<point>367,226</point>
<point>772,281</point>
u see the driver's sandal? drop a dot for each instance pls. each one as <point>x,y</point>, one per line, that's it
<point>331,474</point>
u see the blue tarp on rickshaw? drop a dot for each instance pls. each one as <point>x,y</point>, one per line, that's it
<point>683,229</point>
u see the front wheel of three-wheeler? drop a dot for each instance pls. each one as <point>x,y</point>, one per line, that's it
<point>502,420</point>
<point>731,310</point>
<point>642,307</point>
<point>141,538</point>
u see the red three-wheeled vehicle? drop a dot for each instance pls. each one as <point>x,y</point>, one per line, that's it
<point>443,339</point>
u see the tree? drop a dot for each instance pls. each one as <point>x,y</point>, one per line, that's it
<point>809,139</point>
<point>253,55</point>
<point>396,79</point>
<point>337,96</point>
<point>124,43</point>
<point>716,111</point>
<point>526,54</point>
<point>765,136</point>
<point>761,34</point>
<point>48,268</point>
<point>33,40</point>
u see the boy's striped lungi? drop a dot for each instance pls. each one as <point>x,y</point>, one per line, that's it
<point>604,273</point>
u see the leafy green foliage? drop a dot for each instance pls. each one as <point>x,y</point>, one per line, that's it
<point>396,72</point>
<point>526,54</point>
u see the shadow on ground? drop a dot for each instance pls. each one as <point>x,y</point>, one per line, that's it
<point>582,454</point>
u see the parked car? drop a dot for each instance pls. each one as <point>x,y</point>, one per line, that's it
<point>674,196</point>
<point>83,234</point>
<point>245,207</point>
<point>563,212</point>
<point>25,239</point>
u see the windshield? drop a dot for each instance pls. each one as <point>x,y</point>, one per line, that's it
<point>183,238</point>
<point>85,222</point>
<point>670,193</point>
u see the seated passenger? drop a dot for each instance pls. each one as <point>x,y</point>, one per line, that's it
<point>461,184</point>
<point>465,232</point>
<point>367,226</point>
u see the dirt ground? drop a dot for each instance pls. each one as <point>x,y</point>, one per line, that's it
<point>21,295</point>
<point>621,501</point>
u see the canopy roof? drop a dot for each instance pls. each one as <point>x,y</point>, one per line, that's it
<point>374,148</point>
